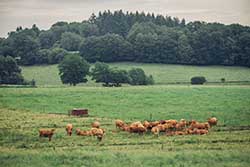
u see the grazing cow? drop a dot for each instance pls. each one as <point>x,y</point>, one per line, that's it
<point>155,123</point>
<point>171,121</point>
<point>46,133</point>
<point>83,132</point>
<point>98,132</point>
<point>119,124</point>
<point>69,129</point>
<point>168,126</point>
<point>96,124</point>
<point>162,128</point>
<point>200,131</point>
<point>197,125</point>
<point>155,130</point>
<point>147,125</point>
<point>137,127</point>
<point>181,125</point>
<point>212,121</point>
<point>180,133</point>
<point>125,128</point>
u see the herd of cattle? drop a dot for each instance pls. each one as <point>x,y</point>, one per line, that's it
<point>169,127</point>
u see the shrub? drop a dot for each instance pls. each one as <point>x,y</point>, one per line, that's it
<point>138,77</point>
<point>223,80</point>
<point>198,80</point>
<point>32,83</point>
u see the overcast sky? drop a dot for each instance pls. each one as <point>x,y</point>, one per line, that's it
<point>44,13</point>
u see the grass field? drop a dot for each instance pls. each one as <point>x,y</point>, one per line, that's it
<point>162,73</point>
<point>24,110</point>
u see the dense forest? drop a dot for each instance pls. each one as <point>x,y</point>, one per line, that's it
<point>138,37</point>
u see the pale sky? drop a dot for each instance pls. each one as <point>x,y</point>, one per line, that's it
<point>44,13</point>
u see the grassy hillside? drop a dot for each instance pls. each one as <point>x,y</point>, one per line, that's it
<point>23,111</point>
<point>162,73</point>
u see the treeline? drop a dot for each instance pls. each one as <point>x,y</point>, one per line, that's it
<point>136,37</point>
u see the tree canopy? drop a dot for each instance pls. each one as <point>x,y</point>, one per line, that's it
<point>10,73</point>
<point>73,69</point>
<point>137,37</point>
<point>115,76</point>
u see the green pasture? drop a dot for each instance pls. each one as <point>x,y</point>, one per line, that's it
<point>23,111</point>
<point>20,145</point>
<point>162,73</point>
<point>231,104</point>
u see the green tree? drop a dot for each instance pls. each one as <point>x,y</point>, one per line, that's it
<point>101,73</point>
<point>107,48</point>
<point>73,69</point>
<point>43,56</point>
<point>138,77</point>
<point>56,55</point>
<point>118,76</point>
<point>25,47</point>
<point>46,39</point>
<point>70,41</point>
<point>109,76</point>
<point>10,73</point>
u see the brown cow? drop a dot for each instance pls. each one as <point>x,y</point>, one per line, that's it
<point>96,124</point>
<point>46,133</point>
<point>137,127</point>
<point>212,121</point>
<point>69,129</point>
<point>147,125</point>
<point>200,131</point>
<point>171,121</point>
<point>197,125</point>
<point>83,132</point>
<point>119,123</point>
<point>155,130</point>
<point>98,132</point>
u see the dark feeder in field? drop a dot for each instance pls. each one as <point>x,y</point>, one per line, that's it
<point>81,112</point>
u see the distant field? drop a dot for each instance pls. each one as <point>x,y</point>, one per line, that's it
<point>162,73</point>
<point>25,110</point>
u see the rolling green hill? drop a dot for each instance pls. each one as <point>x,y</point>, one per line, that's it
<point>162,73</point>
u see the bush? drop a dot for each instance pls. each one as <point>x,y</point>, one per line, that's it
<point>31,83</point>
<point>223,80</point>
<point>138,77</point>
<point>198,80</point>
<point>150,80</point>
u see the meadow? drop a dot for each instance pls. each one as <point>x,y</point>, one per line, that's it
<point>23,111</point>
<point>162,73</point>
